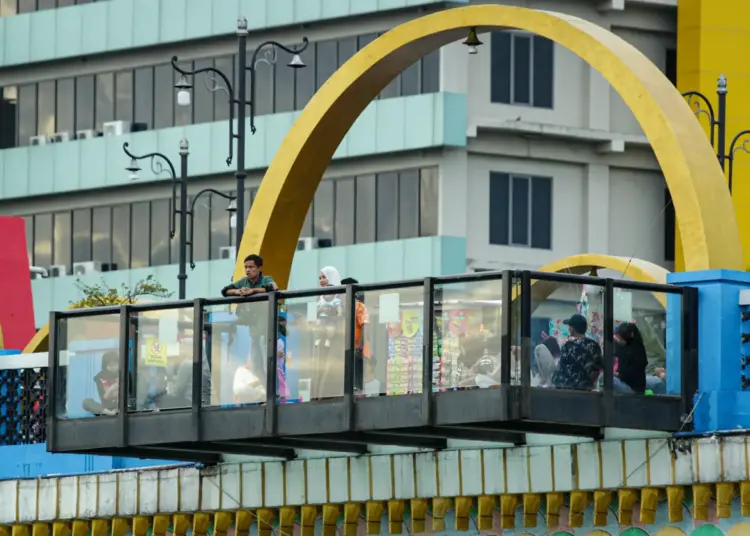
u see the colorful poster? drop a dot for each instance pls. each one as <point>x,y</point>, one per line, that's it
<point>156,353</point>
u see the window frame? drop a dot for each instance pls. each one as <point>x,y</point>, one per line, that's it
<point>512,101</point>
<point>529,179</point>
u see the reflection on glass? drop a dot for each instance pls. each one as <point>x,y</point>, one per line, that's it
<point>221,101</point>
<point>304,79</point>
<point>431,72</point>
<point>8,112</point>
<point>567,316</point>
<point>124,96</point>
<point>410,80</point>
<point>121,236</point>
<point>201,231</point>
<point>144,96</point>
<point>326,61</point>
<point>26,113</point>
<point>643,346</point>
<point>46,108</point>
<point>467,334</point>
<point>408,204</point>
<point>105,99</point>
<point>161,218</point>
<point>82,235</point>
<point>203,99</point>
<point>389,331</point>
<point>162,374</point>
<point>87,375</point>
<point>219,225</point>
<point>164,100</point>
<point>347,49</point>
<point>323,211</point>
<point>236,350</point>
<point>140,255</point>
<point>8,8</point>
<point>183,115</point>
<point>66,105</point>
<point>284,82</point>
<point>29,224</point>
<point>43,240</point>
<point>314,348</point>
<point>263,88</point>
<point>63,239</point>
<point>428,202</point>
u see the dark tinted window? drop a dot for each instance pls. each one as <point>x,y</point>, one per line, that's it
<point>124,96</point>
<point>102,235</point>
<point>85,102</point>
<point>284,83</point>
<point>541,212</point>
<point>219,225</point>
<point>202,98</point>
<point>8,117</point>
<point>669,227</point>
<point>26,6</point>
<point>544,72</point>
<point>82,235</point>
<point>408,204</point>
<point>428,202</point>
<point>410,79</point>
<point>345,212</point>
<point>140,254</point>
<point>144,96</point>
<point>326,61</point>
<point>221,101</point>
<point>521,69</point>
<point>500,67</point>
<point>164,97</point>
<point>304,79</point>
<point>201,238</point>
<point>387,216</point>
<point>43,240</point>
<point>264,88</point>
<point>499,204</point>
<point>347,49</point>
<point>121,236</point>
<point>670,69</point>
<point>27,113</point>
<point>323,210</point>
<point>161,217</point>
<point>366,209</point>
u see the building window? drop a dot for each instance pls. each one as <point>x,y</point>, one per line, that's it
<point>670,66</point>
<point>385,206</point>
<point>520,210</point>
<point>669,227</point>
<point>522,69</point>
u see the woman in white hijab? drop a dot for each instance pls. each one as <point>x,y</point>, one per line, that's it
<point>327,345</point>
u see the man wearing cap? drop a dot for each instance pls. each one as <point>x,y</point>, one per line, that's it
<point>580,358</point>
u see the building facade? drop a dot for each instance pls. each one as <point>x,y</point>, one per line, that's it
<point>510,158</point>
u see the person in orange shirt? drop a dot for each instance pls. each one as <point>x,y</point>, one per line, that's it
<point>361,344</point>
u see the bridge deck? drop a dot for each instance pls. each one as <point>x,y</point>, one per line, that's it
<point>441,358</point>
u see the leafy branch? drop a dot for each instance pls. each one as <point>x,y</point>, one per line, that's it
<point>102,295</point>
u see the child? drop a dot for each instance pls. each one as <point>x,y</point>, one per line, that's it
<point>107,384</point>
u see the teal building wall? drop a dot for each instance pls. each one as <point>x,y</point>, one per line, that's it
<point>118,25</point>
<point>368,263</point>
<point>386,126</point>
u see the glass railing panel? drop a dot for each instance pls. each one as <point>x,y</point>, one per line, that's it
<point>87,375</point>
<point>311,348</point>
<point>161,360</point>
<point>642,343</point>
<point>566,336</point>
<point>468,332</point>
<point>235,351</point>
<point>389,342</point>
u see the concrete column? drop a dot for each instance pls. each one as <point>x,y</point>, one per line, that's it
<point>596,217</point>
<point>453,199</point>
<point>720,403</point>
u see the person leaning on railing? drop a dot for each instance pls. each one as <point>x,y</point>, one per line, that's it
<point>250,315</point>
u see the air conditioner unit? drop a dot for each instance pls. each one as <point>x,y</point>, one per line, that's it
<point>38,140</point>
<point>305,243</point>
<point>59,137</point>
<point>116,128</point>
<point>58,270</point>
<point>85,268</point>
<point>87,134</point>
<point>228,252</point>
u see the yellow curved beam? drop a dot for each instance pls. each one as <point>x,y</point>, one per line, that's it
<point>707,224</point>
<point>636,269</point>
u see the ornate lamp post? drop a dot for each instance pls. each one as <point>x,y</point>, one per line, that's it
<point>239,98</point>
<point>157,167</point>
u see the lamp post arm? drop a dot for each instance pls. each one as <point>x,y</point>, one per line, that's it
<point>270,61</point>
<point>191,212</point>
<point>709,111</point>
<point>157,168</point>
<point>228,88</point>
<point>734,147</point>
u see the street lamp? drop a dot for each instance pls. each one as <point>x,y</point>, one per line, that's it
<point>157,167</point>
<point>183,87</point>
<point>473,42</point>
<point>718,126</point>
<point>231,208</point>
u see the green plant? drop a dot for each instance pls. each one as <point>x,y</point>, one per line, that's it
<point>102,295</point>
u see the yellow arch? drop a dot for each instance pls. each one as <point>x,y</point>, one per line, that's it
<point>707,223</point>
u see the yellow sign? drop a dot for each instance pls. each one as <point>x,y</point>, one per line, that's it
<point>410,322</point>
<point>156,353</point>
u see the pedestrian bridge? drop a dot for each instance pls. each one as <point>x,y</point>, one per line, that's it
<point>444,358</point>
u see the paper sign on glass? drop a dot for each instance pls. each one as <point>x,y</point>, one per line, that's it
<point>623,306</point>
<point>389,305</point>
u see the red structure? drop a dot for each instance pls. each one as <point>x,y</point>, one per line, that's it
<point>16,303</point>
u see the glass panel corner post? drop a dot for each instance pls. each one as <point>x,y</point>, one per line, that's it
<point>689,358</point>
<point>609,348</point>
<point>124,387</point>
<point>197,399</point>
<point>272,366</point>
<point>506,342</point>
<point>428,343</point>
<point>52,380</point>
<point>350,323</point>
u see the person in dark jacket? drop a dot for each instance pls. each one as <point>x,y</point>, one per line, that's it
<point>631,360</point>
<point>107,383</point>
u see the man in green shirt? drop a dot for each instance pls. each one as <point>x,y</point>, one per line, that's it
<point>253,315</point>
<point>254,282</point>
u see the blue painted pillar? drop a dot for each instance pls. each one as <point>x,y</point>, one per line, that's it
<point>721,403</point>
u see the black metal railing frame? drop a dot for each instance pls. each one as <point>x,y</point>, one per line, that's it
<point>519,280</point>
